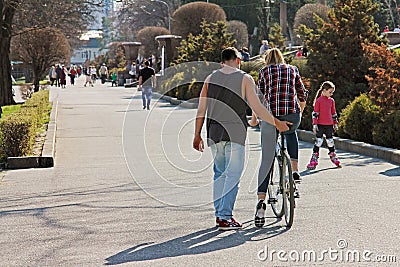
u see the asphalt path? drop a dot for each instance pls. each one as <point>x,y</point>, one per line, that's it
<point>128,189</point>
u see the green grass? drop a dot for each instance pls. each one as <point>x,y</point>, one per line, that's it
<point>21,81</point>
<point>10,109</point>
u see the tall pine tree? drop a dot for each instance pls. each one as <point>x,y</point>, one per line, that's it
<point>336,48</point>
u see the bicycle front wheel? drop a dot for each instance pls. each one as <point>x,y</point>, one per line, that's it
<point>275,190</point>
<point>288,190</point>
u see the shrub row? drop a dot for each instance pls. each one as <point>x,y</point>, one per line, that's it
<point>18,129</point>
<point>364,121</point>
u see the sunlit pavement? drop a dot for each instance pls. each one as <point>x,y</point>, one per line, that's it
<point>128,189</point>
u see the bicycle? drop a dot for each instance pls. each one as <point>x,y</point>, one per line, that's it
<point>281,187</point>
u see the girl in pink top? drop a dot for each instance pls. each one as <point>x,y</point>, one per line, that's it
<point>325,122</point>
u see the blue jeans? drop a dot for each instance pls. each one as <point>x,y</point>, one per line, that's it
<point>146,94</point>
<point>268,145</point>
<point>228,168</point>
<point>292,141</point>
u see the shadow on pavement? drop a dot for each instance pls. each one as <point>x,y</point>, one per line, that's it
<point>392,172</point>
<point>199,242</point>
<point>313,172</point>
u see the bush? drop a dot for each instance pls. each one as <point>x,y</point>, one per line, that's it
<point>254,65</point>
<point>188,18</point>
<point>357,120</point>
<point>17,134</point>
<point>387,133</point>
<point>305,16</point>
<point>239,32</point>
<point>18,129</point>
<point>208,45</point>
<point>147,36</point>
<point>384,78</point>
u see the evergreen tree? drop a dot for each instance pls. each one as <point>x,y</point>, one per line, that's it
<point>206,46</point>
<point>336,48</point>
<point>276,38</point>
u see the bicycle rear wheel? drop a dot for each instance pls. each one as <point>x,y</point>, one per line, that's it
<point>275,190</point>
<point>288,189</point>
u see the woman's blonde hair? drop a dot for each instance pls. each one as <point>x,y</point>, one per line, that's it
<point>324,86</point>
<point>274,56</point>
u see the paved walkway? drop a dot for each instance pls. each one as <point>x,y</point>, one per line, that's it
<point>126,182</point>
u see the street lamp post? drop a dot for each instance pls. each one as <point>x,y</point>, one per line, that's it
<point>266,14</point>
<point>168,10</point>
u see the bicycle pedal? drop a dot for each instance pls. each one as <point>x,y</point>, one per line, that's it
<point>272,201</point>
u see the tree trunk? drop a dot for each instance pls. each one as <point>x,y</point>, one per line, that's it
<point>36,79</point>
<point>322,2</point>
<point>6,97</point>
<point>6,17</point>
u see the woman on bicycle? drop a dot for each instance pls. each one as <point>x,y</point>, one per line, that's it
<point>285,96</point>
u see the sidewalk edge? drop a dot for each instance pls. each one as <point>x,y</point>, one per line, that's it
<point>388,154</point>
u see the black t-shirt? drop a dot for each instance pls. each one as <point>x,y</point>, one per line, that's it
<point>146,73</point>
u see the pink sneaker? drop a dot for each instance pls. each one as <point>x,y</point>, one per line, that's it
<point>313,162</point>
<point>335,159</point>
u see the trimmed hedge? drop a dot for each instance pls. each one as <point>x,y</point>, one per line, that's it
<point>387,133</point>
<point>18,129</point>
<point>358,119</point>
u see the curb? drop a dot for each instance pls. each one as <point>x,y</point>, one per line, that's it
<point>388,154</point>
<point>175,101</point>
<point>46,160</point>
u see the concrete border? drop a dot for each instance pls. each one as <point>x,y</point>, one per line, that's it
<point>46,160</point>
<point>388,154</point>
<point>175,101</point>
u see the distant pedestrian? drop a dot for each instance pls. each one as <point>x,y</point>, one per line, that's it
<point>93,74</point>
<point>58,71</point>
<point>325,122</point>
<point>299,53</point>
<point>103,73</point>
<point>386,29</point>
<point>53,75</point>
<point>304,51</point>
<point>88,77</point>
<point>113,79</point>
<point>63,76</point>
<point>72,74</point>
<point>264,47</point>
<point>147,80</point>
<point>245,54</point>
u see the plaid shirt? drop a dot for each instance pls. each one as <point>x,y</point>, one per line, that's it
<point>280,85</point>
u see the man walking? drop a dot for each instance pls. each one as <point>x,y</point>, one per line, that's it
<point>147,79</point>
<point>223,98</point>
<point>103,73</point>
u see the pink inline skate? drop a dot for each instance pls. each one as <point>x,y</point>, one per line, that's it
<point>335,159</point>
<point>313,162</point>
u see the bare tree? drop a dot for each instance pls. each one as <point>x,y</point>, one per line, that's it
<point>135,15</point>
<point>40,48</point>
<point>7,12</point>
<point>15,15</point>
